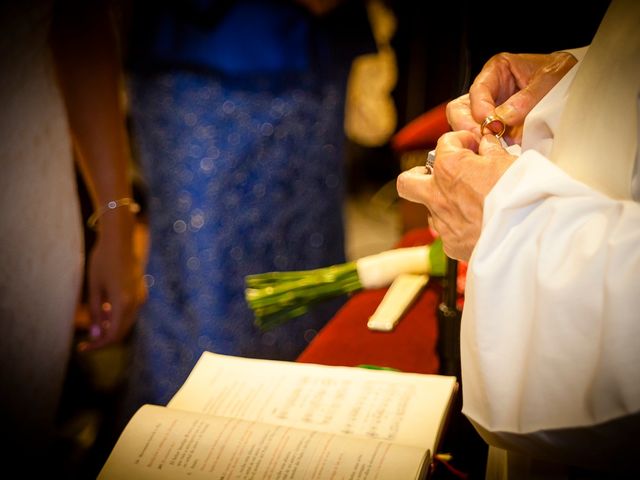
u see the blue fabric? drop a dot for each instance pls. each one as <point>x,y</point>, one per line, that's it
<point>252,36</point>
<point>237,119</point>
<point>242,180</point>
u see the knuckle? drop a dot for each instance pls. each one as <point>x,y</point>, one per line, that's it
<point>501,59</point>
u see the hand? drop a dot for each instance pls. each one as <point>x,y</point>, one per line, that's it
<point>454,194</point>
<point>116,288</point>
<point>460,117</point>
<point>509,85</point>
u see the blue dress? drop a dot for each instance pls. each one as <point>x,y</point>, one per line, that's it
<point>243,163</point>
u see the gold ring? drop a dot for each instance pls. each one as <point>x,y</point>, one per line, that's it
<point>493,119</point>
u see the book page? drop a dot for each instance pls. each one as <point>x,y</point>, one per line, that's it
<point>384,405</point>
<point>161,443</point>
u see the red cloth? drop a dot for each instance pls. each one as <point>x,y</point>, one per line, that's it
<point>411,347</point>
<point>422,132</point>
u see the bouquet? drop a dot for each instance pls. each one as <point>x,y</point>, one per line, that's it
<point>276,297</point>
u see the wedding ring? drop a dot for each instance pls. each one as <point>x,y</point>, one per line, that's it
<point>493,119</point>
<point>431,158</point>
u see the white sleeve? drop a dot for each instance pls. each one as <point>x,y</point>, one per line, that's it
<point>551,323</point>
<point>578,53</point>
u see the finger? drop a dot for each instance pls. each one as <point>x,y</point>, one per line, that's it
<point>443,229</point>
<point>459,114</point>
<point>414,185</point>
<point>496,91</point>
<point>498,157</point>
<point>109,337</point>
<point>482,102</point>
<point>111,326</point>
<point>493,83</point>
<point>438,224</point>
<point>95,311</point>
<point>490,144</point>
<point>124,310</point>
<point>514,110</point>
<point>103,329</point>
<point>452,142</point>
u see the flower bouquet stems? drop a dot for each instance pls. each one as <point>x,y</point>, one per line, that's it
<point>277,297</point>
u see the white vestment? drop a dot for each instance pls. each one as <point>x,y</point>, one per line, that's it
<point>550,338</point>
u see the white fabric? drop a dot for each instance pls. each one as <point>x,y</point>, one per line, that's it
<point>41,241</point>
<point>542,121</point>
<point>551,324</point>
<point>599,123</point>
<point>561,247</point>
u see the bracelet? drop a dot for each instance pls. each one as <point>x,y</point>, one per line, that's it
<point>112,205</point>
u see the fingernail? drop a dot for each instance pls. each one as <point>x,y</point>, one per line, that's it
<point>507,112</point>
<point>94,331</point>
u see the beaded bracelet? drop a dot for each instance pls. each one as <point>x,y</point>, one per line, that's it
<point>112,205</point>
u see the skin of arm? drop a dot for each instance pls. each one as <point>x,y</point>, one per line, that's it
<point>88,69</point>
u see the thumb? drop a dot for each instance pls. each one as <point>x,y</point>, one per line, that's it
<point>414,185</point>
<point>514,110</point>
<point>490,144</point>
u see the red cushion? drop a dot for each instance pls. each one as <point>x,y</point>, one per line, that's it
<point>411,347</point>
<point>423,132</point>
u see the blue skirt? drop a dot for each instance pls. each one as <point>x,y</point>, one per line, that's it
<point>242,178</point>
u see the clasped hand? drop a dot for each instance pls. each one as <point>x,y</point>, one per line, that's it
<point>455,192</point>
<point>469,165</point>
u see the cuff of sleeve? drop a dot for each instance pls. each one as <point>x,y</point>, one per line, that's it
<point>578,53</point>
<point>528,181</point>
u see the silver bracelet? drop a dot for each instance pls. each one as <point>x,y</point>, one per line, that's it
<point>112,205</point>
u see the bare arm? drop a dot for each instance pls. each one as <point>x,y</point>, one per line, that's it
<point>88,68</point>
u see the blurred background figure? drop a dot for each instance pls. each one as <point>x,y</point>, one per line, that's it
<point>237,116</point>
<point>41,264</point>
<point>41,245</point>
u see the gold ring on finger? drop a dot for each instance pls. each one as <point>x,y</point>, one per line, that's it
<point>493,119</point>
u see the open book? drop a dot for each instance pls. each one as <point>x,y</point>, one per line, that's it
<point>241,418</point>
